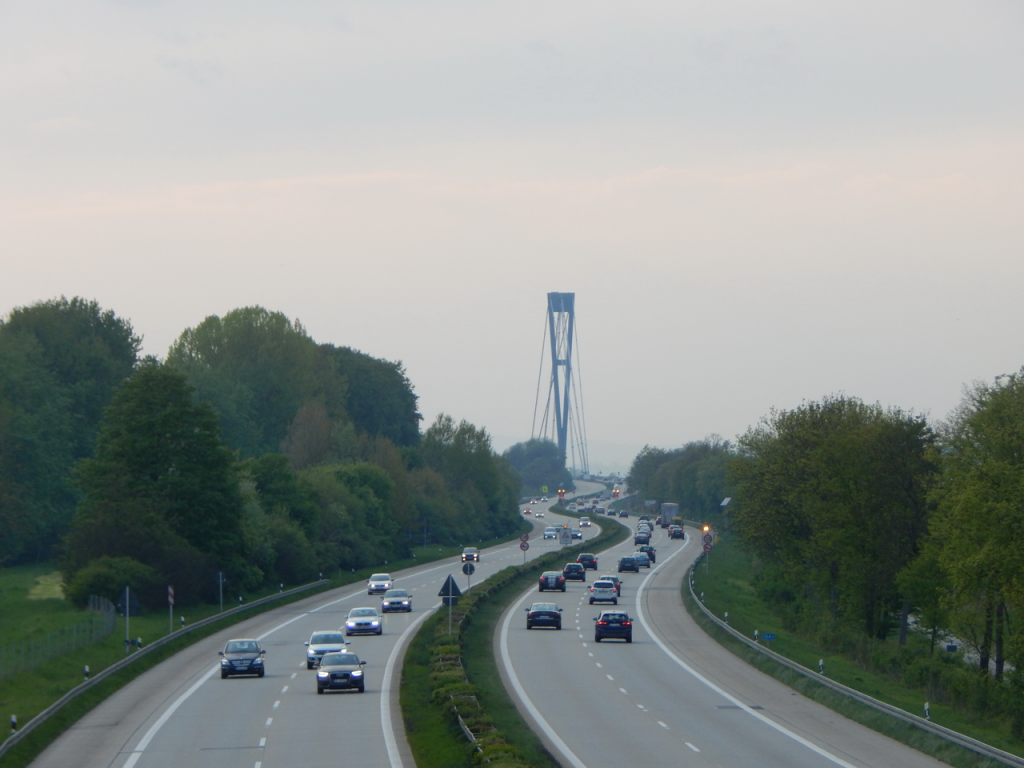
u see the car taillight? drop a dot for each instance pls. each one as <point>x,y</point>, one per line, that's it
<point>627,624</point>
<point>602,623</point>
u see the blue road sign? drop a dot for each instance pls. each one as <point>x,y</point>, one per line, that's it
<point>768,636</point>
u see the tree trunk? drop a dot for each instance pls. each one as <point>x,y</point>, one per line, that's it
<point>985,651</point>
<point>1000,620</point>
<point>904,620</point>
<point>833,597</point>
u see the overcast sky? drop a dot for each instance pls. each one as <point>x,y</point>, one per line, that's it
<point>756,203</point>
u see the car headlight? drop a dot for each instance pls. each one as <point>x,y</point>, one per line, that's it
<point>405,602</point>
<point>323,675</point>
<point>257,661</point>
<point>224,662</point>
<point>374,623</point>
<point>350,623</point>
<point>357,673</point>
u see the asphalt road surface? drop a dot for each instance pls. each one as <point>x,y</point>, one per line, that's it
<point>673,696</point>
<point>182,714</point>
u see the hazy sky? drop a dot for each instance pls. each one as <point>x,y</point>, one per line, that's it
<point>756,203</point>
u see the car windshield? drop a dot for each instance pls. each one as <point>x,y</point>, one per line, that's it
<point>320,638</point>
<point>357,612</point>
<point>337,659</point>
<point>470,549</point>
<point>396,593</point>
<point>242,646</point>
<point>381,577</point>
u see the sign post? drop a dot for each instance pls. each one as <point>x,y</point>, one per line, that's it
<point>170,608</point>
<point>450,593</point>
<point>523,545</point>
<point>709,544</point>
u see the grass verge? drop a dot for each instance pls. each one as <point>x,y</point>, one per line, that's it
<point>726,584</point>
<point>28,693</point>
<point>448,675</point>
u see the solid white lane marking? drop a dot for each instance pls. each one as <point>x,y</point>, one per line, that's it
<point>517,684</point>
<point>691,746</point>
<point>144,742</point>
<point>726,695</point>
<point>269,721</point>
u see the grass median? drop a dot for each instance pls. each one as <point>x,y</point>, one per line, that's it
<point>445,676</point>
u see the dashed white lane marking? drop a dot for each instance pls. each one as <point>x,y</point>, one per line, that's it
<point>294,674</point>
<point>269,721</point>
<point>277,704</point>
<point>581,637</point>
<point>598,664</point>
<point>284,689</point>
<point>263,741</point>
<point>624,691</point>
<point>590,654</point>
<point>662,724</point>
<point>258,764</point>
<point>585,645</point>
<point>641,707</point>
<point>691,746</point>
<point>611,678</point>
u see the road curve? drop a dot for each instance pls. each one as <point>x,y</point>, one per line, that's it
<point>673,696</point>
<point>180,713</point>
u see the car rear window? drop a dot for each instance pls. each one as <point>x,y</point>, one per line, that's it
<point>603,585</point>
<point>615,617</point>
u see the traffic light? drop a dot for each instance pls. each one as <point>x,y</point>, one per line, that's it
<point>706,527</point>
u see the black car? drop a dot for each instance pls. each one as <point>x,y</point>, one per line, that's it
<point>242,657</point>
<point>574,572</point>
<point>641,538</point>
<point>613,624</point>
<point>471,554</point>
<point>587,560</point>
<point>615,580</point>
<point>551,580</point>
<point>649,551</point>
<point>676,533</point>
<point>623,513</point>
<point>628,564</point>
<point>339,671</point>
<point>543,615</point>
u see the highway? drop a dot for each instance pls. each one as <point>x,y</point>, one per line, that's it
<point>181,714</point>
<point>673,696</point>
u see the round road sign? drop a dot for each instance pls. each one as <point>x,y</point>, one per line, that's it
<point>524,537</point>
<point>468,569</point>
<point>524,546</point>
<point>708,538</point>
<point>707,547</point>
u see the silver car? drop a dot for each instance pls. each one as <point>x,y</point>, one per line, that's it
<point>364,620</point>
<point>379,583</point>
<point>396,600</point>
<point>323,641</point>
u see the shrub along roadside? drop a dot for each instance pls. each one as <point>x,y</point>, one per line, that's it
<point>450,676</point>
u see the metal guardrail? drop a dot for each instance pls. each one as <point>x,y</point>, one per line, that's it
<point>81,688</point>
<point>926,725</point>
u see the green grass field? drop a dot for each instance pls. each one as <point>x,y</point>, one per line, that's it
<point>725,579</point>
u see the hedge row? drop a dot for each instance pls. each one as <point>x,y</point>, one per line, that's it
<point>453,691</point>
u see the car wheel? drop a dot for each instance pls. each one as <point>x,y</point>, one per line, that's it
<point>308,665</point>
<point>597,638</point>
<point>347,633</point>
<point>629,638</point>
<point>361,688</point>
<point>261,673</point>
<point>319,689</point>
<point>591,601</point>
<point>558,625</point>
<point>223,675</point>
<point>380,631</point>
<point>563,588</point>
<point>615,601</point>
<point>529,625</point>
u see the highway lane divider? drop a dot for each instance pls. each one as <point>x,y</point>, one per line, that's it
<point>453,692</point>
<point>966,742</point>
<point>154,652</point>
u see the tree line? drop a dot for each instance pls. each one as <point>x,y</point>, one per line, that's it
<point>251,451</point>
<point>863,520</point>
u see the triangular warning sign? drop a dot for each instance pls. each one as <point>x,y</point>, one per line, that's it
<point>450,588</point>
